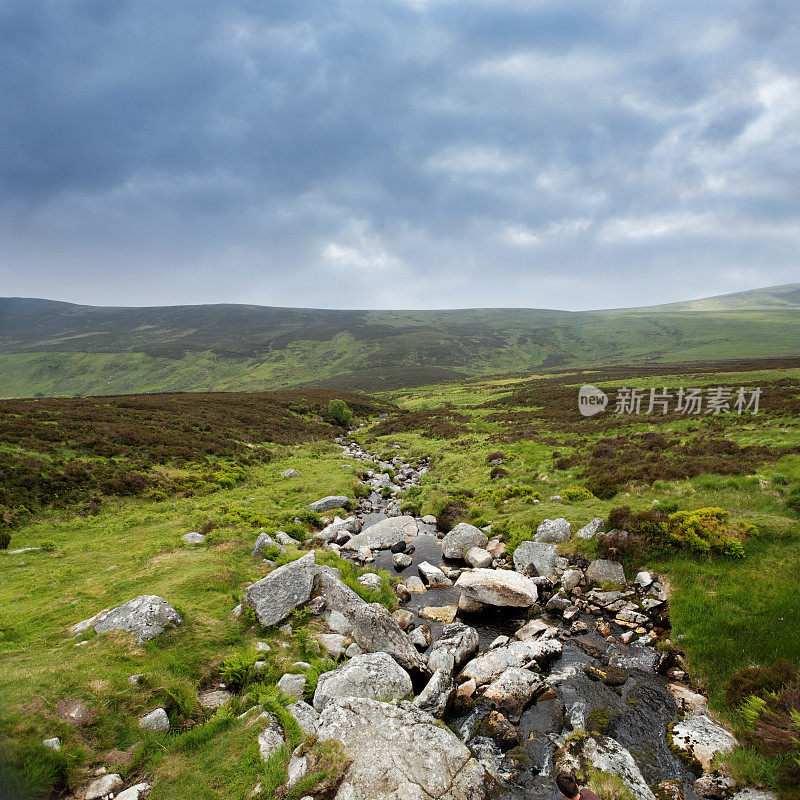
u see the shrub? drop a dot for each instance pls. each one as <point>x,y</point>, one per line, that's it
<point>340,412</point>
<point>576,494</point>
<point>603,486</point>
<point>759,681</point>
<point>5,540</point>
<point>498,472</point>
<point>497,455</point>
<point>237,670</point>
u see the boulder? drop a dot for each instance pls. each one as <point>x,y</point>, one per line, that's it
<point>374,675</point>
<point>513,691</point>
<point>452,649</point>
<point>498,587</point>
<point>339,530</point>
<point>492,664</point>
<point>399,751</point>
<point>286,588</point>
<point>292,684</point>
<point>375,630</point>
<point>437,695</point>
<point>404,618</point>
<point>401,561</point>
<point>136,792</point>
<point>703,738</point>
<point>214,699</point>
<point>371,580</point>
<point>554,531</point>
<point>414,584</point>
<point>422,636</point>
<point>329,503</point>
<point>571,579</point>
<point>591,530</point>
<point>604,571</point>
<point>539,555</point>
<point>290,473</point>
<point>146,617</point>
<point>283,538</point>
<point>461,539</point>
<point>382,535</point>
<point>270,740</point>
<point>305,715</point>
<point>103,787</point>
<point>193,538</point>
<point>496,727</point>
<point>433,576</point>
<point>478,557</point>
<point>442,614</point>
<point>339,597</point>
<point>263,541</point>
<point>156,720</point>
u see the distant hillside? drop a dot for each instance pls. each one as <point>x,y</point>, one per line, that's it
<point>53,348</point>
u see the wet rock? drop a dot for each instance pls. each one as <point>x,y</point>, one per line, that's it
<point>557,604</point>
<point>404,618</point>
<point>372,675</point>
<point>513,691</point>
<point>610,676</point>
<point>415,584</point>
<point>375,630</point>
<point>156,720</point>
<point>329,503</point>
<point>399,547</point>
<point>437,695</point>
<point>398,751</point>
<point>460,539</point>
<point>591,530</point>
<point>703,738</point>
<point>670,790</point>
<point>146,616</point>
<point>433,576</point>
<point>554,531</point>
<point>498,588</point>
<point>401,561</point>
<point>534,629</point>
<point>607,755</point>
<point>604,571</point>
<point>478,557</point>
<point>274,597</point>
<point>489,666</point>
<point>452,649</point>
<point>442,614</point>
<point>382,535</point>
<point>539,555</point>
<point>402,592</point>
<point>496,727</point>
<point>422,636</point>
<point>103,787</point>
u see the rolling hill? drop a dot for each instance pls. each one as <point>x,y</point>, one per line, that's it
<point>56,348</point>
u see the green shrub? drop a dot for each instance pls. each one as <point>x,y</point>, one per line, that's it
<point>576,494</point>
<point>5,540</point>
<point>340,412</point>
<point>237,669</point>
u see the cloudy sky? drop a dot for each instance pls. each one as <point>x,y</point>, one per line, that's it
<point>398,153</point>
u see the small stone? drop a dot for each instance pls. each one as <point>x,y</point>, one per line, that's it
<point>137,792</point>
<point>414,584</point>
<point>371,580</point>
<point>52,744</point>
<point>193,538</point>
<point>421,636</point>
<point>404,618</point>
<point>433,576</point>
<point>478,557</point>
<point>103,787</point>
<point>401,561</point>
<point>290,473</point>
<point>156,720</point>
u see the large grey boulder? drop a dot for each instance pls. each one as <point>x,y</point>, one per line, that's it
<point>461,539</point>
<point>377,631</point>
<point>604,571</point>
<point>339,598</point>
<point>293,684</point>
<point>145,616</point>
<point>513,691</point>
<point>437,695</point>
<point>497,587</point>
<point>591,530</point>
<point>399,751</point>
<point>330,502</point>
<point>374,675</point>
<point>274,597</point>
<point>451,650</point>
<point>338,527</point>
<point>554,531</point>
<point>382,535</point>
<point>539,555</point>
<point>305,716</point>
<point>478,557</point>
<point>491,665</point>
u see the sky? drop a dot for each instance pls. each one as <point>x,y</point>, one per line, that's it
<point>566,154</point>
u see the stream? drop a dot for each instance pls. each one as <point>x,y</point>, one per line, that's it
<point>635,714</point>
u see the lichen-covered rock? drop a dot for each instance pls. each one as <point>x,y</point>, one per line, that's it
<point>103,787</point>
<point>452,649</point>
<point>604,571</point>
<point>702,738</point>
<point>461,538</point>
<point>382,535</point>
<point>591,530</point>
<point>288,587</point>
<point>374,675</point>
<point>329,503</point>
<point>398,751</point>
<point>554,531</point>
<point>498,587</point>
<point>513,691</point>
<point>156,720</point>
<point>376,631</point>
<point>437,695</point>
<point>146,617</point>
<point>490,665</point>
<point>479,558</point>
<point>539,555</point>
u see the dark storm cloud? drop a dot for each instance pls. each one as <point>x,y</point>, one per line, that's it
<point>572,153</point>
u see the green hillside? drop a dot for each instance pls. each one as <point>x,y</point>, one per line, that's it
<point>52,348</point>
